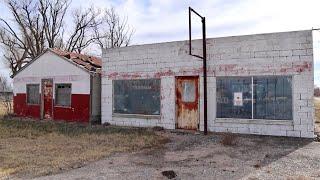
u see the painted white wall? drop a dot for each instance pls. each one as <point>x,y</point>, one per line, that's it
<point>50,65</point>
<point>286,53</point>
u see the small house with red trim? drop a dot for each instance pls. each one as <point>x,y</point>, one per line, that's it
<point>59,85</point>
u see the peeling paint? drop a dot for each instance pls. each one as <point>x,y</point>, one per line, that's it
<point>187,112</point>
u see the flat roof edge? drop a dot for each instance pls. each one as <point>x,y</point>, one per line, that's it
<point>210,38</point>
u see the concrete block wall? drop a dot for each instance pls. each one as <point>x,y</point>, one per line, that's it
<point>287,53</point>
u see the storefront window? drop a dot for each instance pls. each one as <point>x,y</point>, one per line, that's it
<point>271,98</point>
<point>136,96</point>
<point>234,97</point>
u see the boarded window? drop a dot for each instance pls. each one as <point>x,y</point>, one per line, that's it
<point>234,97</point>
<point>271,98</point>
<point>63,95</point>
<point>136,96</point>
<point>33,96</point>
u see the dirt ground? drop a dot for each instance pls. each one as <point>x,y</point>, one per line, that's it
<point>199,157</point>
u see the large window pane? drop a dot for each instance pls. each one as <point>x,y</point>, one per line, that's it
<point>63,95</point>
<point>234,97</point>
<point>33,96</point>
<point>136,96</point>
<point>272,98</point>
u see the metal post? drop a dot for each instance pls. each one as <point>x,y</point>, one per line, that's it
<point>204,66</point>
<point>205,111</point>
<point>189,30</point>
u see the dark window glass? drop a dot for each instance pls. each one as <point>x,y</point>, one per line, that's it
<point>63,95</point>
<point>33,96</point>
<point>272,98</point>
<point>234,97</point>
<point>136,96</point>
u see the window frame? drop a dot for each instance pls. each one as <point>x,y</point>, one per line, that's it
<point>27,97</point>
<point>130,115</point>
<point>56,94</point>
<point>252,97</point>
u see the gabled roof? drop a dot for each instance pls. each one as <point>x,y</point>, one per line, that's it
<point>91,64</point>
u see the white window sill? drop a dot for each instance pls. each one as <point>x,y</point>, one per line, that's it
<point>142,116</point>
<point>253,121</point>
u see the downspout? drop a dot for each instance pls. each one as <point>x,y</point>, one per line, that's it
<point>90,108</point>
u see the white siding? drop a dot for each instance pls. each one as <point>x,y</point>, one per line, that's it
<point>50,65</point>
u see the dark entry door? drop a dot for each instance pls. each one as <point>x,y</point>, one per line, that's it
<point>187,102</point>
<point>47,98</point>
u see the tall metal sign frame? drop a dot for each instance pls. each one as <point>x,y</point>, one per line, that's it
<point>204,67</point>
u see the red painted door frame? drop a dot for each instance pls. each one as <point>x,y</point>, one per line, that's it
<point>187,102</point>
<point>47,99</point>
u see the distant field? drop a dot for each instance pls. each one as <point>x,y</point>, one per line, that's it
<point>317,109</point>
<point>317,115</point>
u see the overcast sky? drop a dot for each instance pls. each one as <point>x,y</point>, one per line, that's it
<point>167,20</point>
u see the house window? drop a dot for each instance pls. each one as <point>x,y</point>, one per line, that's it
<point>63,95</point>
<point>136,96</point>
<point>255,97</point>
<point>33,96</point>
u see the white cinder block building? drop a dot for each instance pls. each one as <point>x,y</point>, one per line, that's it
<point>257,84</point>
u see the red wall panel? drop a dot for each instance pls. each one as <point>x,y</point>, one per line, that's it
<point>78,112</point>
<point>21,108</point>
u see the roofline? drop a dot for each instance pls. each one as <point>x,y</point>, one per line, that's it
<point>50,50</point>
<point>208,38</point>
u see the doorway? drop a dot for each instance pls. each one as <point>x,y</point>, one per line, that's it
<point>187,102</point>
<point>47,99</point>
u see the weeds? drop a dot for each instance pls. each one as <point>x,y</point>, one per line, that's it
<point>228,139</point>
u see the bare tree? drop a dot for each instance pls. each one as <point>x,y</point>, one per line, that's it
<point>40,24</point>
<point>15,56</point>
<point>23,38</point>
<point>84,23</point>
<point>53,13</point>
<point>6,95</point>
<point>114,31</point>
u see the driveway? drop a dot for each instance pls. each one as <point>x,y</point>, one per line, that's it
<point>192,156</point>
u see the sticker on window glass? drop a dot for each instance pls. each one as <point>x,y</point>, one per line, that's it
<point>237,99</point>
<point>189,91</point>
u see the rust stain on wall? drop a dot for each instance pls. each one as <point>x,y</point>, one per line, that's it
<point>158,74</point>
<point>305,66</point>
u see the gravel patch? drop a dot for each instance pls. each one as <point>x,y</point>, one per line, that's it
<point>192,156</point>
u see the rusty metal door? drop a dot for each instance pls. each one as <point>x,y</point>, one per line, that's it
<point>187,102</point>
<point>47,98</point>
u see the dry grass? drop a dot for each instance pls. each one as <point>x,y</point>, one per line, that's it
<point>30,148</point>
<point>3,111</point>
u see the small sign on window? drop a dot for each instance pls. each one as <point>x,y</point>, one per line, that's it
<point>237,99</point>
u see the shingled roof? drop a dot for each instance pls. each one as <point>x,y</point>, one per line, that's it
<point>91,63</point>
